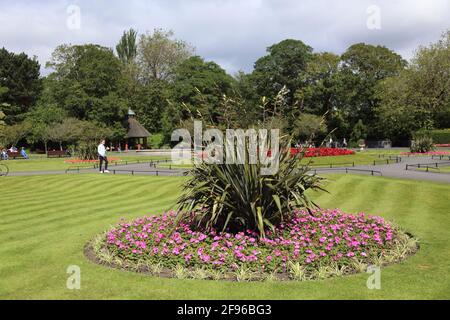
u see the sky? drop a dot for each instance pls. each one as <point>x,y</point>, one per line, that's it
<point>233,33</point>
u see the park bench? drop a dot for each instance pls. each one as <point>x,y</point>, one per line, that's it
<point>57,154</point>
<point>14,155</point>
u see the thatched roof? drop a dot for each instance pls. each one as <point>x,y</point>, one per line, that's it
<point>135,129</point>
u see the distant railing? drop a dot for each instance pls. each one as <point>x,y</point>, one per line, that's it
<point>389,160</point>
<point>428,166</point>
<point>333,165</point>
<point>152,172</point>
<point>440,157</point>
<point>348,170</point>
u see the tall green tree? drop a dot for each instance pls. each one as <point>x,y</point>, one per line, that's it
<point>282,67</point>
<point>320,91</point>
<point>198,87</point>
<point>419,97</point>
<point>21,83</point>
<point>363,67</point>
<point>40,119</point>
<point>85,82</point>
<point>127,47</point>
<point>159,54</point>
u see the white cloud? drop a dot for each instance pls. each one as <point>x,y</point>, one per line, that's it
<point>234,33</point>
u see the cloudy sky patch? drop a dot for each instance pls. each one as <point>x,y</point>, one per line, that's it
<point>233,33</point>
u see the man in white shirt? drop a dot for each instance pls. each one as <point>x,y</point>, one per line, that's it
<point>102,156</point>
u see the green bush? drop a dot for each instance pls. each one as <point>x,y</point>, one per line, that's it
<point>87,150</point>
<point>156,141</point>
<point>422,142</point>
<point>441,136</point>
<point>236,197</point>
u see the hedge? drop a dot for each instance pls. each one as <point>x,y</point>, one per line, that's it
<point>441,136</point>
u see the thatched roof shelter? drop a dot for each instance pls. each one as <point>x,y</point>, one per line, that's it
<point>134,128</point>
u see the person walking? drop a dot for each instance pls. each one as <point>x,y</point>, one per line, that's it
<point>102,156</point>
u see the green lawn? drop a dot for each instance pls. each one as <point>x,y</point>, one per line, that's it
<point>42,163</point>
<point>360,158</point>
<point>47,220</point>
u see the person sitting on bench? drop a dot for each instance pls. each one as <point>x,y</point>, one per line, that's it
<point>5,154</point>
<point>23,153</point>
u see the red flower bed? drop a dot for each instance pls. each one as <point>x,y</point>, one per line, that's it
<point>323,152</point>
<point>89,161</point>
<point>311,152</point>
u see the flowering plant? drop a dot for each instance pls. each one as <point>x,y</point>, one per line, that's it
<point>326,238</point>
<point>322,152</point>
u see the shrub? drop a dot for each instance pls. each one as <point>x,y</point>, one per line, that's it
<point>237,197</point>
<point>422,142</point>
<point>441,136</point>
<point>156,140</point>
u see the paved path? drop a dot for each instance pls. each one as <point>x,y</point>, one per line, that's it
<point>396,170</point>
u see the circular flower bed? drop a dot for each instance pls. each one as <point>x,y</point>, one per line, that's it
<point>323,244</point>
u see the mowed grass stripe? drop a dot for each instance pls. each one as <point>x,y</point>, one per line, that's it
<point>70,187</point>
<point>346,191</point>
<point>75,198</point>
<point>78,196</point>
<point>88,203</point>
<point>35,189</point>
<point>82,217</point>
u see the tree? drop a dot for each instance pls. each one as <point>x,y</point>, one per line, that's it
<point>20,85</point>
<point>359,132</point>
<point>12,134</point>
<point>2,125</point>
<point>127,47</point>
<point>69,131</point>
<point>199,86</point>
<point>429,80</point>
<point>90,135</point>
<point>419,97</point>
<point>308,126</point>
<point>319,94</point>
<point>363,67</point>
<point>40,119</point>
<point>282,66</point>
<point>150,103</point>
<point>85,81</point>
<point>159,54</point>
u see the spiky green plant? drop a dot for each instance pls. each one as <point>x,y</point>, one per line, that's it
<point>236,197</point>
